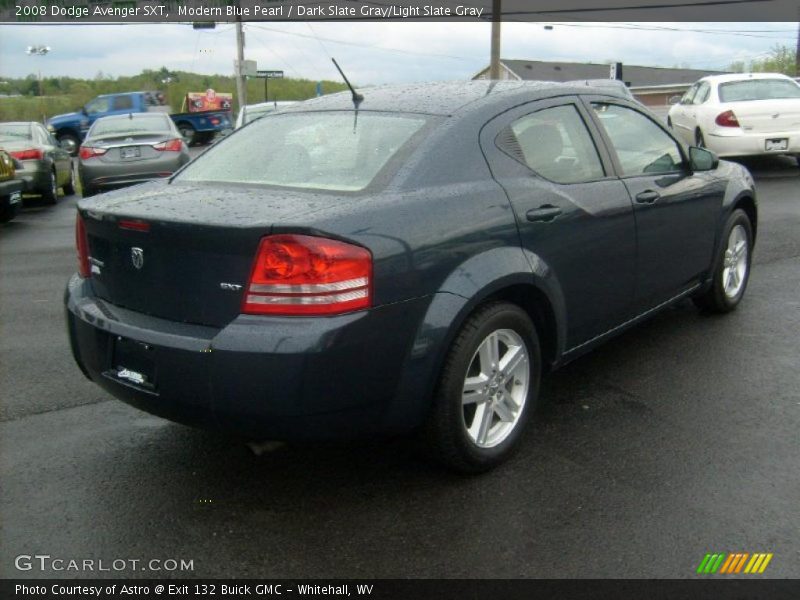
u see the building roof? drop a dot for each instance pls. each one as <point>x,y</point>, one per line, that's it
<point>634,76</point>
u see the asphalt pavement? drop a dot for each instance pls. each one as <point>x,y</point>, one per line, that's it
<point>676,439</point>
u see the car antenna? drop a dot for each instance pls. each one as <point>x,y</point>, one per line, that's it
<point>357,98</point>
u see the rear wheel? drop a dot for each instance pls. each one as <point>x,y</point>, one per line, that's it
<point>488,387</point>
<point>8,212</point>
<point>69,142</point>
<point>732,267</point>
<point>69,187</point>
<point>669,122</point>
<point>50,193</point>
<point>188,133</point>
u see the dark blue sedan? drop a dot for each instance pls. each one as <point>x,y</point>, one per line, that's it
<point>414,265</point>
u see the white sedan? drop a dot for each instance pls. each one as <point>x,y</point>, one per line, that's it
<point>743,114</point>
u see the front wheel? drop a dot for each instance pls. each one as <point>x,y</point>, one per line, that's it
<point>70,143</point>
<point>732,267</point>
<point>69,187</point>
<point>488,387</point>
<point>699,140</point>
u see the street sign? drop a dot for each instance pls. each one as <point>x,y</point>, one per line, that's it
<point>248,68</point>
<point>269,74</point>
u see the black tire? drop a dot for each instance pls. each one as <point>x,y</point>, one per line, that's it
<point>716,299</point>
<point>8,212</point>
<point>69,142</point>
<point>699,140</point>
<point>50,194</point>
<point>190,136</point>
<point>446,429</point>
<point>69,187</point>
<point>669,122</point>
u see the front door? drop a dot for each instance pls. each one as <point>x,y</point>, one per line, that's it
<point>573,213</point>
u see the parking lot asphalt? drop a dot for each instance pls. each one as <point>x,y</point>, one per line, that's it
<point>676,439</point>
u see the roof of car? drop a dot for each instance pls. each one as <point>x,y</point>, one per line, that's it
<point>448,98</point>
<point>744,77</point>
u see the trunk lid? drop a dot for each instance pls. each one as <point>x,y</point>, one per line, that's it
<point>129,148</point>
<point>767,116</point>
<point>193,261</point>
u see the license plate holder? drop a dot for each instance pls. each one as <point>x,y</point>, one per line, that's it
<point>133,362</point>
<point>776,144</point>
<point>15,198</point>
<point>130,152</point>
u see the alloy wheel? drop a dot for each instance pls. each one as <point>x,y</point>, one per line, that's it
<point>495,388</point>
<point>735,263</point>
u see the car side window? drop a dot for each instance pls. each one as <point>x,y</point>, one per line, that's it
<point>555,143</point>
<point>688,97</point>
<point>123,102</point>
<point>702,93</point>
<point>642,147</point>
<point>97,105</point>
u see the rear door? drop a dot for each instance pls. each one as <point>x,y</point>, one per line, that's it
<point>572,211</point>
<point>676,211</point>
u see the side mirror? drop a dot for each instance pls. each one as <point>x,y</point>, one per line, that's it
<point>673,100</point>
<point>83,111</point>
<point>701,159</point>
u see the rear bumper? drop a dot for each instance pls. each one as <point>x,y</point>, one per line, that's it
<point>751,144</point>
<point>259,377</point>
<point>35,176</point>
<point>107,176</point>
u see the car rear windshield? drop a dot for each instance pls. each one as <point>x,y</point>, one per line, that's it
<point>317,150</point>
<point>10,132</point>
<point>131,126</point>
<point>758,89</point>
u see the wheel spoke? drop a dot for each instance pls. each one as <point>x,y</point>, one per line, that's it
<point>504,411</point>
<point>512,360</point>
<point>489,354</point>
<point>486,423</point>
<point>473,392</point>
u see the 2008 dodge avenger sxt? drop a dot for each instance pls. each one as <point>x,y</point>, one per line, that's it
<point>415,263</point>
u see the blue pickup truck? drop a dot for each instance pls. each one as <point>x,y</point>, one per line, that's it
<point>196,127</point>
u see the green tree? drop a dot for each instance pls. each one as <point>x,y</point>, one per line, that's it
<point>781,59</point>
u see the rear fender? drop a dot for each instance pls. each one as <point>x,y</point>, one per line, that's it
<point>475,281</point>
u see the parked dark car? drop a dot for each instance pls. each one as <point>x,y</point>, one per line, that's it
<point>125,150</point>
<point>10,188</point>
<point>415,269</point>
<point>43,165</point>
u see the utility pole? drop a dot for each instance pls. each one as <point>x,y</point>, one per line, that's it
<point>241,84</point>
<point>494,63</point>
<point>797,55</point>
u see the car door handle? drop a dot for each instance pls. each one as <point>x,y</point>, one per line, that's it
<point>647,197</point>
<point>545,213</point>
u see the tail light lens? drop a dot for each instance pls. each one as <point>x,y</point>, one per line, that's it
<point>82,245</point>
<point>727,119</point>
<point>169,146</point>
<point>306,275</point>
<point>29,154</point>
<point>89,152</point>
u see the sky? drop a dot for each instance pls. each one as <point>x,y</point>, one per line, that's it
<point>374,53</point>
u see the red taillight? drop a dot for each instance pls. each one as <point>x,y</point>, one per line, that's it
<point>169,146</point>
<point>305,275</point>
<point>89,152</point>
<point>727,119</point>
<point>29,154</point>
<point>82,245</point>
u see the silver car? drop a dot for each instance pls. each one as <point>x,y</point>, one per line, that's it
<point>124,150</point>
<point>43,165</point>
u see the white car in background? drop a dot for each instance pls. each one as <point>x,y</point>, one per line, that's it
<point>744,114</point>
<point>251,112</point>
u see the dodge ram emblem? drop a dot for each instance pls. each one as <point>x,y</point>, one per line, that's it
<point>137,257</point>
